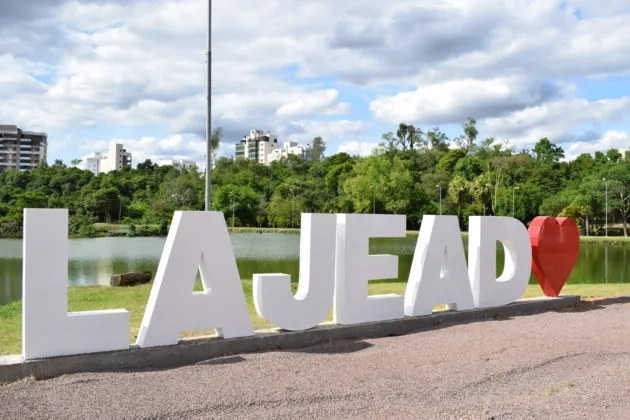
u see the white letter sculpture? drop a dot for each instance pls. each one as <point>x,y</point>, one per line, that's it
<point>273,297</point>
<point>196,240</point>
<point>489,291</point>
<point>355,267</point>
<point>48,329</point>
<point>438,272</point>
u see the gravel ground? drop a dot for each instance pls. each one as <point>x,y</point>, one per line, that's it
<point>572,364</point>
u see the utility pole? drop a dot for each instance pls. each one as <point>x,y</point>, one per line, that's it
<point>292,207</point>
<point>374,203</point>
<point>440,188</point>
<point>208,203</point>
<point>232,197</point>
<point>606,215</point>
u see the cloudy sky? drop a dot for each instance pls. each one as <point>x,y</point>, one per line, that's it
<point>89,72</point>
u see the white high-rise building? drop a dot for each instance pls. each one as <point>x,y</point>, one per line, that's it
<point>263,148</point>
<point>177,163</point>
<point>257,145</point>
<point>93,162</point>
<point>116,159</point>
<point>291,148</point>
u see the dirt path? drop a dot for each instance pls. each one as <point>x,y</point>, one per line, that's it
<point>560,365</point>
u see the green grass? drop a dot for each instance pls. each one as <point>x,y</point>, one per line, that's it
<point>113,227</point>
<point>605,239</point>
<point>110,226</point>
<point>263,230</point>
<point>134,299</point>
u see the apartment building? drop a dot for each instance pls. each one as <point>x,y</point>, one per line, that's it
<point>291,148</point>
<point>177,163</point>
<point>115,159</point>
<point>257,145</point>
<point>263,148</point>
<point>21,150</point>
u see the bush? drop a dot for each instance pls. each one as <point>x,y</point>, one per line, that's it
<point>10,228</point>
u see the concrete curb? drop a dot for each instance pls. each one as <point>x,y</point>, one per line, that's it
<point>13,368</point>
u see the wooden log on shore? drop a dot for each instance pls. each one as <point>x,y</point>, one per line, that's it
<point>130,279</point>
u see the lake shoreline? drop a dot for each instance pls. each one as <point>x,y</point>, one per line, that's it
<point>149,231</point>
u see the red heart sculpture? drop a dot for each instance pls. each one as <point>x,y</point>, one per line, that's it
<point>555,249</point>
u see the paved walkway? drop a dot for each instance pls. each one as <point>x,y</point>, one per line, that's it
<point>557,365</point>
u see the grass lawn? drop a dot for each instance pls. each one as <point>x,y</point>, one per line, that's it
<point>605,239</point>
<point>119,228</point>
<point>134,299</point>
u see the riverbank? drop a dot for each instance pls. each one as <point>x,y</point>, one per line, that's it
<point>134,299</point>
<point>156,231</point>
<point>104,230</point>
<point>153,230</point>
<point>610,240</point>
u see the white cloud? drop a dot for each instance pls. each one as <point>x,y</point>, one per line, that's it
<point>15,80</point>
<point>357,148</point>
<point>557,120</point>
<point>316,103</point>
<point>512,64</point>
<point>342,130</point>
<point>458,99</point>
<point>610,140</point>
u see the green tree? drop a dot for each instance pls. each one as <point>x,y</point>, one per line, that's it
<point>215,141</point>
<point>470,135</point>
<point>459,192</point>
<point>547,152</point>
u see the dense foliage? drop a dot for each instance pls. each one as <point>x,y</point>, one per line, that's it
<point>413,172</point>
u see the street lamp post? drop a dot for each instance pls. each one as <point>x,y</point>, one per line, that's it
<point>606,213</point>
<point>513,191</point>
<point>374,203</point>
<point>292,207</point>
<point>232,197</point>
<point>439,186</point>
<point>208,201</point>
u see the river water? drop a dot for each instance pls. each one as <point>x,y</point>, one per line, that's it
<point>93,261</point>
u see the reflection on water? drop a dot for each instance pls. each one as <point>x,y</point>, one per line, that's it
<point>93,261</point>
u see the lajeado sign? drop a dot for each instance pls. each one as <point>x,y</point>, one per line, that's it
<point>335,267</point>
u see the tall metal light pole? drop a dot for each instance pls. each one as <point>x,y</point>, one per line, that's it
<point>232,197</point>
<point>513,191</point>
<point>208,203</point>
<point>292,207</point>
<point>440,188</point>
<point>606,215</point>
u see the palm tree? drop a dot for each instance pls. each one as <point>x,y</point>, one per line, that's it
<point>459,191</point>
<point>481,190</point>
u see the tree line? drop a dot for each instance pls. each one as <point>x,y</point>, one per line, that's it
<point>412,172</point>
